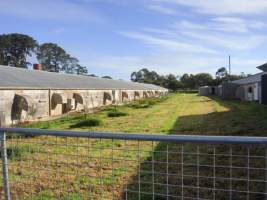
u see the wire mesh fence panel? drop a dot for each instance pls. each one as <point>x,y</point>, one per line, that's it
<point>189,171</point>
<point>49,167</point>
<point>75,168</point>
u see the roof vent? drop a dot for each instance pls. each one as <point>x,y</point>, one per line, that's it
<point>37,66</point>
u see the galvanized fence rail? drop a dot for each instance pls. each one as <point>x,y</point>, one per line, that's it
<point>53,164</point>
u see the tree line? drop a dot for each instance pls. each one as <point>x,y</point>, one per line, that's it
<point>186,81</point>
<point>16,49</point>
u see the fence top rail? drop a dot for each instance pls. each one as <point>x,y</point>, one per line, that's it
<point>199,139</point>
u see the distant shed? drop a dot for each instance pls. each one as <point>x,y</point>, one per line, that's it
<point>204,91</point>
<point>208,90</point>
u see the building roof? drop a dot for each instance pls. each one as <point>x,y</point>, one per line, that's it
<point>263,67</point>
<point>18,78</point>
<point>251,79</point>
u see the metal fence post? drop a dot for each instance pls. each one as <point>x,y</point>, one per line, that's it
<point>4,165</point>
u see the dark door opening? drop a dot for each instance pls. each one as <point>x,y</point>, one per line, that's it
<point>264,89</point>
<point>213,91</point>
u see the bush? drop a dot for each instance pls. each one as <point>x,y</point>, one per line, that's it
<point>87,123</point>
<point>115,113</point>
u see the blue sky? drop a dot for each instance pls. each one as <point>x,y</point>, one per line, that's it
<point>116,37</point>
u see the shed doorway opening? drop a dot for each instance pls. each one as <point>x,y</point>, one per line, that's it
<point>78,100</point>
<point>145,95</point>
<point>213,90</point>
<point>19,108</point>
<point>113,96</point>
<point>250,90</point>
<point>57,104</point>
<point>136,95</point>
<point>125,96</point>
<point>107,99</point>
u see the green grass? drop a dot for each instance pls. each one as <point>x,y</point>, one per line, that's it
<point>180,113</point>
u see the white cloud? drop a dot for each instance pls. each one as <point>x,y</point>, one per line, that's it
<point>232,43</point>
<point>235,24</point>
<point>223,35</point>
<point>228,33</point>
<point>167,44</point>
<point>226,24</point>
<point>223,7</point>
<point>49,10</point>
<point>162,9</point>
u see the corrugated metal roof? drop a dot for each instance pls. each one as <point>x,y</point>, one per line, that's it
<point>251,79</point>
<point>12,77</point>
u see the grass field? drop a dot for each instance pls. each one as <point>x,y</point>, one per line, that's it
<point>70,168</point>
<point>179,113</point>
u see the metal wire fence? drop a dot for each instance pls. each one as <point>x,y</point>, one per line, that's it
<point>67,165</point>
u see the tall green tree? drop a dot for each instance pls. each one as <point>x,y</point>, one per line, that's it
<point>55,59</point>
<point>15,48</point>
<point>172,83</point>
<point>52,57</point>
<point>222,73</point>
<point>202,79</point>
<point>70,64</point>
<point>144,76</point>
<point>188,81</point>
<point>81,70</point>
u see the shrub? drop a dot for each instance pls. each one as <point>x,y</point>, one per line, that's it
<point>115,113</point>
<point>87,123</point>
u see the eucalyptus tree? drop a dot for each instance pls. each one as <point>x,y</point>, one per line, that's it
<point>15,49</point>
<point>52,57</point>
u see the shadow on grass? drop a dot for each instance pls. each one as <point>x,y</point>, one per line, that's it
<point>116,113</point>
<point>87,123</point>
<point>203,171</point>
<point>238,118</point>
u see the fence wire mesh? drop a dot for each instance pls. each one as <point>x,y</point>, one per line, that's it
<point>74,168</point>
